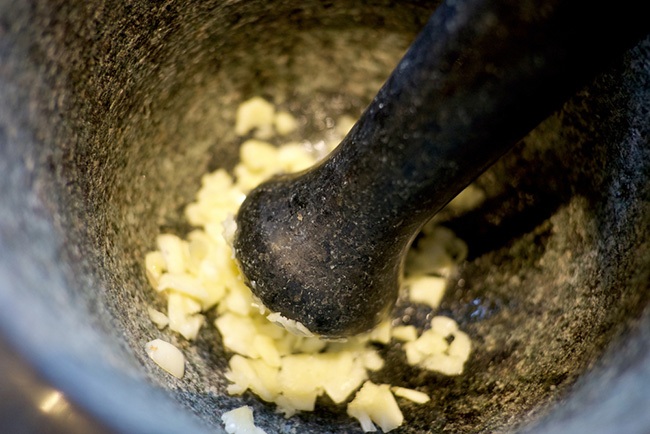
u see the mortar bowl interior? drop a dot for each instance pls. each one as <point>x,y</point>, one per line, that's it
<point>110,115</point>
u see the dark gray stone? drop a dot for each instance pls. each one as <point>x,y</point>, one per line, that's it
<point>325,247</point>
<point>110,113</point>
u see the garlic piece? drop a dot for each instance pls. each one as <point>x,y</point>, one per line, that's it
<point>253,113</point>
<point>410,394</point>
<point>167,356</point>
<point>375,403</point>
<point>158,318</point>
<point>240,421</point>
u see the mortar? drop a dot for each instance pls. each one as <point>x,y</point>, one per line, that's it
<point>109,115</point>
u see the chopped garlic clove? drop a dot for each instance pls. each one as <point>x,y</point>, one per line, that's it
<point>189,329</point>
<point>198,249</point>
<point>182,283</point>
<point>237,333</point>
<point>253,113</point>
<point>413,355</point>
<point>248,179</point>
<point>229,229</point>
<point>340,374</point>
<point>293,326</point>
<point>410,394</point>
<point>267,350</point>
<point>461,346</point>
<point>427,344</point>
<point>158,318</point>
<point>298,400</point>
<point>468,199</point>
<point>155,265</point>
<point>443,325</point>
<point>218,181</point>
<point>405,333</point>
<point>378,403</point>
<point>216,293</point>
<point>294,157</point>
<point>308,345</point>
<point>372,360</point>
<point>255,375</point>
<point>285,123</point>
<point>183,315</point>
<point>240,421</point>
<point>258,156</point>
<point>300,384</point>
<point>263,132</point>
<point>426,289</point>
<point>238,300</point>
<point>381,333</point>
<point>167,356</point>
<point>432,352</point>
<point>173,250</point>
<point>430,342</point>
<point>444,364</point>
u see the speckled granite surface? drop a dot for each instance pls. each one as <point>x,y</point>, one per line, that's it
<point>109,114</point>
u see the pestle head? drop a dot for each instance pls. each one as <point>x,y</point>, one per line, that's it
<point>325,247</point>
<point>306,259</point>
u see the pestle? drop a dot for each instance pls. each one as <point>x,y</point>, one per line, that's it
<point>325,247</point>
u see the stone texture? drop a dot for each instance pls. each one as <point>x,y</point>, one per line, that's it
<point>109,113</point>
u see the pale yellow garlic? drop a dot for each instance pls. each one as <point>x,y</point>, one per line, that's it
<point>426,289</point>
<point>410,394</point>
<point>405,333</point>
<point>284,123</point>
<point>240,421</point>
<point>158,318</point>
<point>291,369</point>
<point>375,403</point>
<point>155,266</point>
<point>167,356</point>
<point>173,250</point>
<point>253,113</point>
<point>183,283</point>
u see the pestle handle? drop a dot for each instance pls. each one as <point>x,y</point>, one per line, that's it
<point>325,247</point>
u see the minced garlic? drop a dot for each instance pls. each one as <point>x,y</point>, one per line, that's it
<point>376,403</point>
<point>167,356</point>
<point>240,421</point>
<point>292,369</point>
